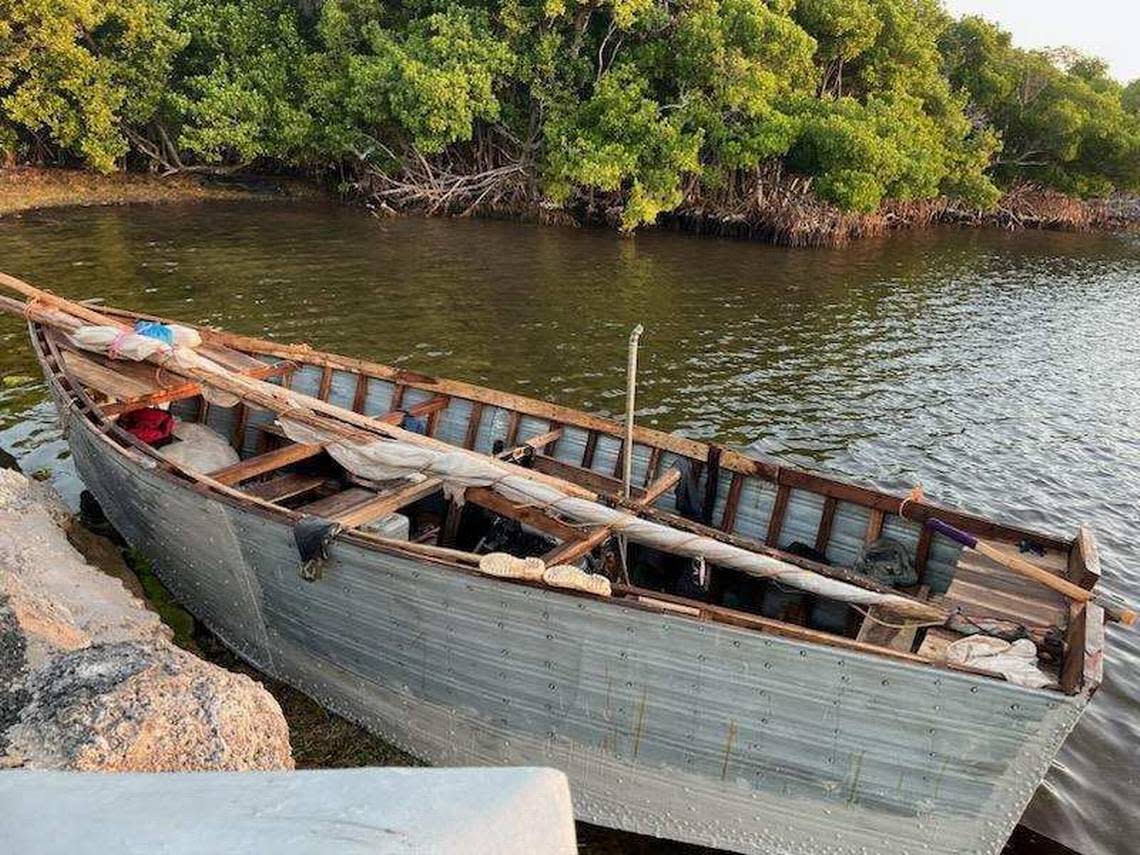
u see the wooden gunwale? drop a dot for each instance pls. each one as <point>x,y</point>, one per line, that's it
<point>120,441</point>
<point>729,459</point>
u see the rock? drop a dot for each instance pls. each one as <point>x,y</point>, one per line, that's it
<point>89,678</point>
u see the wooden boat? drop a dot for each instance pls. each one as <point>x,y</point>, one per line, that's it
<point>673,716</point>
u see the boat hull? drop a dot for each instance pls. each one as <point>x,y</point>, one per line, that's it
<point>665,725</point>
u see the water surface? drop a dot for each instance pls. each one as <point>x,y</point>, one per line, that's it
<point>1001,371</point>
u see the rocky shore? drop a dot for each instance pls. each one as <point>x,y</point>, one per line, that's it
<point>90,678</point>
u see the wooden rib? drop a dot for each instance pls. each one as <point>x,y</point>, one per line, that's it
<point>397,396</point>
<point>556,432</point>
<point>387,503</point>
<point>361,394</point>
<point>326,383</point>
<point>776,520</point>
<point>449,531</point>
<point>531,516</point>
<point>875,526</point>
<point>513,422</point>
<point>826,520</point>
<point>654,463</point>
<point>591,447</point>
<point>922,553</point>
<point>712,482</point>
<point>433,416</point>
<point>728,520</point>
<point>619,462</point>
<point>473,425</point>
<point>241,416</point>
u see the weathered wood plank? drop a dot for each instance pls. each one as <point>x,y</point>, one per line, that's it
<point>285,486</point>
<point>531,516</point>
<point>331,507</point>
<point>267,462</point>
<point>1084,560</point>
<point>654,464</point>
<point>383,504</point>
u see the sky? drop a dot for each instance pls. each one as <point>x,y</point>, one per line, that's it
<point>1109,29</point>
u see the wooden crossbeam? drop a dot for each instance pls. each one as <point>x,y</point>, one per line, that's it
<point>588,478</point>
<point>526,514</point>
<point>568,553</point>
<point>284,456</point>
<point>187,390</point>
<point>285,486</point>
<point>534,443</point>
<point>386,503</point>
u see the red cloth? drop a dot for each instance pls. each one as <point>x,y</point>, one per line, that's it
<point>151,425</point>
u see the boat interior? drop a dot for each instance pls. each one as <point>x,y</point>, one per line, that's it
<point>806,519</point>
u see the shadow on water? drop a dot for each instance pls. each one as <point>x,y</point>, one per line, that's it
<point>1002,371</point>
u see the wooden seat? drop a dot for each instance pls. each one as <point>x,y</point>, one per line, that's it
<point>985,588</point>
<point>285,486</point>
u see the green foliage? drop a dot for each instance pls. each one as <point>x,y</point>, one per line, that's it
<point>76,73</point>
<point>875,100</point>
<point>1063,122</point>
<point>238,81</point>
<point>620,139</point>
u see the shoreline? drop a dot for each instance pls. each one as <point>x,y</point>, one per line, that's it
<point>24,189</point>
<point>800,222</point>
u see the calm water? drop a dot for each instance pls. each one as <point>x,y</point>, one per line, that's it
<point>1002,371</point>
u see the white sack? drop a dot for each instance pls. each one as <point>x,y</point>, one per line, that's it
<point>199,448</point>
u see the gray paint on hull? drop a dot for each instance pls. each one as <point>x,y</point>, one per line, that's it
<point>664,725</point>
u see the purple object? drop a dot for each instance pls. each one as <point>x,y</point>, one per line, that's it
<point>953,533</point>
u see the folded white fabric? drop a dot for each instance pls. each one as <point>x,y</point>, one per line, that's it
<point>1017,662</point>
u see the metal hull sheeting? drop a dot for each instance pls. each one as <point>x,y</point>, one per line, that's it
<point>665,725</point>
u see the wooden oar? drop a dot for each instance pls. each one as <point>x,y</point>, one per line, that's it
<point>1032,571</point>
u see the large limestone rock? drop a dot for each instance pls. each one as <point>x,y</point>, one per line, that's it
<point>89,678</point>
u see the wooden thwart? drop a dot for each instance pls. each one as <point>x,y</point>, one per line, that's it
<point>289,454</point>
